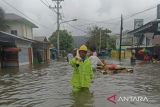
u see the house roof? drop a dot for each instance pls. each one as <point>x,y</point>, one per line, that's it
<point>150,27</point>
<point>9,39</point>
<point>10,36</point>
<point>14,17</point>
<point>41,38</point>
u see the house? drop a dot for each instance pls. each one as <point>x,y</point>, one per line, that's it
<point>14,50</point>
<point>41,49</point>
<point>147,36</point>
<point>16,42</point>
<point>126,41</point>
<point>41,38</point>
<point>19,26</point>
<point>144,35</point>
<point>126,44</point>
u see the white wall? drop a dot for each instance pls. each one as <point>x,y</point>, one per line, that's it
<point>15,26</point>
<point>23,55</point>
<point>23,29</point>
<point>27,31</point>
<point>148,36</point>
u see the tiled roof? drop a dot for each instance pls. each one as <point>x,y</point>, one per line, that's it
<point>41,38</point>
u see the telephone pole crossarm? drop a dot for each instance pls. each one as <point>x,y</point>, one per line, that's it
<point>58,24</point>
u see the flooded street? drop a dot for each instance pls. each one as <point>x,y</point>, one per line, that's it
<point>47,85</point>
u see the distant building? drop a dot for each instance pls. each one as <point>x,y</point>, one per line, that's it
<point>41,49</point>
<point>79,40</point>
<point>147,36</point>
<point>126,40</point>
<point>41,38</point>
<point>126,45</point>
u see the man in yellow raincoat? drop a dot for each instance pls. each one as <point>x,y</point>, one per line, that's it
<point>82,70</point>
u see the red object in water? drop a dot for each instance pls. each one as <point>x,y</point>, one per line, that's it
<point>147,58</point>
<point>111,66</point>
<point>140,53</point>
<point>11,49</point>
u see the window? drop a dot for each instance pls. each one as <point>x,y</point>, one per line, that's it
<point>147,42</point>
<point>158,28</point>
<point>14,32</point>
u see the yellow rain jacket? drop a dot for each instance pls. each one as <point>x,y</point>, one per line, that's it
<point>82,74</point>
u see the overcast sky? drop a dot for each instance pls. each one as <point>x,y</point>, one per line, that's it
<point>104,13</point>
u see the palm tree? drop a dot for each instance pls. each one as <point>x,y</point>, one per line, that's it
<point>3,25</point>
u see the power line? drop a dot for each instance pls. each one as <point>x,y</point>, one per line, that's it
<point>104,21</point>
<point>48,6</point>
<point>77,28</point>
<point>24,14</point>
<point>113,19</point>
<point>63,16</point>
<point>134,14</point>
<point>47,2</point>
<point>72,25</point>
<point>127,17</point>
<point>63,24</point>
<point>97,23</point>
<point>39,32</point>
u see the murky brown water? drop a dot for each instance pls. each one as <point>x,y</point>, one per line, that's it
<point>47,86</point>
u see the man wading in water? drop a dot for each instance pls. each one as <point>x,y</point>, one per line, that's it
<point>82,70</point>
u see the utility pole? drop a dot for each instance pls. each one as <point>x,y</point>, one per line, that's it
<point>120,42</point>
<point>100,40</point>
<point>106,41</point>
<point>58,24</point>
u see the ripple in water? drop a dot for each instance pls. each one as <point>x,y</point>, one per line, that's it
<point>47,85</point>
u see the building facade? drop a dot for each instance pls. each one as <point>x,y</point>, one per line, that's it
<point>15,51</point>
<point>41,50</point>
<point>147,36</point>
<point>17,44</point>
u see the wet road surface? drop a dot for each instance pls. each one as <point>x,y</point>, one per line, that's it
<point>47,85</point>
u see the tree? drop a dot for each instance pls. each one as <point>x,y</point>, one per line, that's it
<point>3,25</point>
<point>106,40</point>
<point>112,42</point>
<point>65,40</point>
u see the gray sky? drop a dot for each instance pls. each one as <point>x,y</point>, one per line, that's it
<point>104,13</point>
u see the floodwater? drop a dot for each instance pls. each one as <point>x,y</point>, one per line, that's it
<point>47,85</point>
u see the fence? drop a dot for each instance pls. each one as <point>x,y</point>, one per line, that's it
<point>125,54</point>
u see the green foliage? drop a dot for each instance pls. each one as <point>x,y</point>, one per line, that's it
<point>3,25</point>
<point>112,42</point>
<point>106,40</point>
<point>65,40</point>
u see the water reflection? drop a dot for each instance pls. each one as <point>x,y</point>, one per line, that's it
<point>47,85</point>
<point>147,82</point>
<point>82,98</point>
<point>9,71</point>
